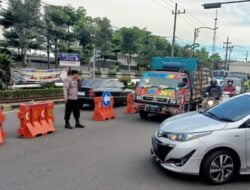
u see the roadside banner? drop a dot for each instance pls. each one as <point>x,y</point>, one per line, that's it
<point>37,75</point>
<point>70,60</point>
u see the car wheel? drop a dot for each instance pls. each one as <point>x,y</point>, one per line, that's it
<point>219,167</point>
<point>143,114</point>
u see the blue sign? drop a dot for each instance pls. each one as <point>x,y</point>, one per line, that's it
<point>106,98</point>
<point>70,59</point>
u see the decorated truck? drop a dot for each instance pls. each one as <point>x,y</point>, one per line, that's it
<point>173,86</point>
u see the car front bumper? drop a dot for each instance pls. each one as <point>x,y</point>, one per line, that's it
<point>179,157</point>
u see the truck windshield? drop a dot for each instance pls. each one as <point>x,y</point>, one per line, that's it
<point>165,80</point>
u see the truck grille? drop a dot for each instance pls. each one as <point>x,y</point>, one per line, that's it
<point>163,100</point>
<point>147,98</point>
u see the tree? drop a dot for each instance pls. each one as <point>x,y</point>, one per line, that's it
<point>22,25</point>
<point>58,21</point>
<point>215,59</point>
<point>5,74</point>
<point>84,31</point>
<point>103,35</point>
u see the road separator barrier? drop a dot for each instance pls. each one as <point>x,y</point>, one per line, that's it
<point>36,119</point>
<point>2,132</point>
<point>130,108</point>
<point>102,113</point>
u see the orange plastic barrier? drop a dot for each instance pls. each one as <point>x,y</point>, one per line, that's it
<point>102,113</point>
<point>2,133</point>
<point>36,119</point>
<point>130,108</point>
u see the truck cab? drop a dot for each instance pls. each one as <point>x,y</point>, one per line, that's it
<point>170,88</point>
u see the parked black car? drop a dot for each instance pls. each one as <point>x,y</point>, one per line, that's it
<point>92,88</point>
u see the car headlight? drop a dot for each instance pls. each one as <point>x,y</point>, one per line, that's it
<point>186,136</point>
<point>210,102</point>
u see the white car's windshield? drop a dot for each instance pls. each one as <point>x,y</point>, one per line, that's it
<point>232,110</point>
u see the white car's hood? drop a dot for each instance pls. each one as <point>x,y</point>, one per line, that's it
<point>191,122</point>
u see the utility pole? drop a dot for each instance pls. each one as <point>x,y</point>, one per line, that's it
<point>247,56</point>
<point>230,53</point>
<point>215,32</point>
<point>227,43</point>
<point>94,62</point>
<point>176,12</point>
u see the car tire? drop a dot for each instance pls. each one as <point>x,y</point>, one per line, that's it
<point>219,167</point>
<point>143,115</point>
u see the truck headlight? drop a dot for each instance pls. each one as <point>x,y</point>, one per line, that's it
<point>186,136</point>
<point>138,97</point>
<point>172,101</point>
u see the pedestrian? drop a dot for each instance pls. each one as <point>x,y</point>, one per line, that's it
<point>71,100</point>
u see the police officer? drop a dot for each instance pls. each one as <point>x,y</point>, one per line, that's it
<point>71,100</point>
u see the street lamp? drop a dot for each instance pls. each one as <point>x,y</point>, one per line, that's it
<point>196,34</point>
<point>219,4</point>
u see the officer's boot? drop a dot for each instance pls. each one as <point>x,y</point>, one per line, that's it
<point>67,125</point>
<point>79,125</point>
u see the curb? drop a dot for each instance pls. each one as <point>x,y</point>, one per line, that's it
<point>12,106</point>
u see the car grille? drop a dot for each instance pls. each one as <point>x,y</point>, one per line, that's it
<point>160,150</point>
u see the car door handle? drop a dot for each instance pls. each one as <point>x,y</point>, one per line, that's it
<point>237,136</point>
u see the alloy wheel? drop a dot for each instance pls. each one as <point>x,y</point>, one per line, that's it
<point>221,168</point>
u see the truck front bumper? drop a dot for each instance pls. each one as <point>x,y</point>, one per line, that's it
<point>161,109</point>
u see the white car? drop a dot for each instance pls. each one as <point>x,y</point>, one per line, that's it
<point>214,144</point>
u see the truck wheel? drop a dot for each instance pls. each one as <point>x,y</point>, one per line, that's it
<point>219,167</point>
<point>143,115</point>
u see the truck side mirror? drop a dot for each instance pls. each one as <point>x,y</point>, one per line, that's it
<point>181,84</point>
<point>136,84</point>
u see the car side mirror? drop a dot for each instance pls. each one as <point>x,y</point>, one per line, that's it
<point>247,123</point>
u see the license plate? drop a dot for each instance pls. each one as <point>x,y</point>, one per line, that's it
<point>152,108</point>
<point>81,93</point>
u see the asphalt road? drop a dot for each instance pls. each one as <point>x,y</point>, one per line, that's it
<point>111,155</point>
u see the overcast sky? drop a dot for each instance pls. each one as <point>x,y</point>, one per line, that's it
<point>156,16</point>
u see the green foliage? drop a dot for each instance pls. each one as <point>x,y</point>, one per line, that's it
<point>67,29</point>
<point>22,24</point>
<point>5,64</point>
<point>29,93</point>
<point>103,34</point>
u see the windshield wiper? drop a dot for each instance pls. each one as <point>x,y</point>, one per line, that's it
<point>209,114</point>
<point>226,119</point>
